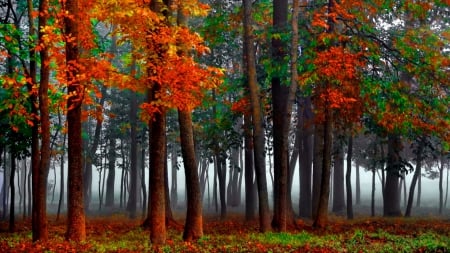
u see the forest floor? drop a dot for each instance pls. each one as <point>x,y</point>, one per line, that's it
<point>117,233</point>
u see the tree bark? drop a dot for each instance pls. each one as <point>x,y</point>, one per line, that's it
<point>317,167</point>
<point>391,200</point>
<point>76,227</point>
<point>193,228</point>
<point>257,120</point>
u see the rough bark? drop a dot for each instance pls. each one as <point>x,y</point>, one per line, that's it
<point>76,227</point>
<point>193,228</point>
<point>257,120</point>
<point>12,203</point>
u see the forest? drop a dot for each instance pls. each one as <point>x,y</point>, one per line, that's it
<point>224,126</point>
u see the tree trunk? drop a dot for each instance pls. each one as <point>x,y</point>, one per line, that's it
<point>348,179</point>
<point>257,120</point>
<point>419,190</point>
<point>12,223</point>
<point>358,184</point>
<point>76,226</point>
<point>174,184</point>
<point>338,179</point>
<point>157,211</point>
<point>62,185</point>
<point>372,206</point>
<point>305,157</point>
<point>322,210</point>
<point>250,191</point>
<point>317,167</point>
<point>222,176</point>
<point>40,173</point>
<point>193,228</point>
<point>416,175</point>
<point>110,182</point>
<point>391,200</point>
<point>281,119</point>
<point>441,188</point>
<point>132,197</point>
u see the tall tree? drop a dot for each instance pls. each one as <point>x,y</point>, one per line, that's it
<point>76,225</point>
<point>256,119</point>
<point>281,110</point>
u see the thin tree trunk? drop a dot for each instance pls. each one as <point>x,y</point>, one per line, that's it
<point>358,184</point>
<point>110,182</point>
<point>132,197</point>
<point>348,179</point>
<point>416,176</point>
<point>62,186</point>
<point>250,193</point>
<point>372,205</point>
<point>322,211</point>
<point>441,188</point>
<point>12,223</point>
<point>193,228</point>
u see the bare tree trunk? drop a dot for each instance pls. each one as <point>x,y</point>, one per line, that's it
<point>348,178</point>
<point>12,223</point>
<point>372,206</point>
<point>358,184</point>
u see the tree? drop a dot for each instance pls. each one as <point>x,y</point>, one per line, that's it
<point>76,226</point>
<point>282,101</point>
<point>256,119</point>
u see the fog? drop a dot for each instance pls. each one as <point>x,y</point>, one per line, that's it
<point>429,197</point>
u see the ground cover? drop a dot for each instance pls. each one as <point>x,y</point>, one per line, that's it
<point>117,233</point>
